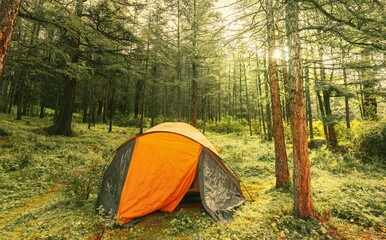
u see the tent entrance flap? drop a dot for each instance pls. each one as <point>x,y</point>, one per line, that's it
<point>219,188</point>
<point>161,171</point>
<point>113,179</point>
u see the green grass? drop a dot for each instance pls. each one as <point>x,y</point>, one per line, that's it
<point>49,184</point>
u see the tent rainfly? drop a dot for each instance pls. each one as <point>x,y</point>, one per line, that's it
<point>155,170</point>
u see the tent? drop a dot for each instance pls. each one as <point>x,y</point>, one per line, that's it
<point>155,170</point>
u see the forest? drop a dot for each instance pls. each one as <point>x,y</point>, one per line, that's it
<point>292,92</point>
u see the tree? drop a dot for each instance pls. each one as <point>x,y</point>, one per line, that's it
<point>281,164</point>
<point>71,41</point>
<point>9,9</point>
<point>194,85</point>
<point>303,207</point>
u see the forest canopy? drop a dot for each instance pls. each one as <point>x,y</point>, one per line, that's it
<point>140,62</point>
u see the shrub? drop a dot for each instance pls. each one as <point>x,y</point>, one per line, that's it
<point>371,140</point>
<point>228,125</point>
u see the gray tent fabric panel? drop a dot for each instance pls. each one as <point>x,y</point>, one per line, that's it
<point>219,189</point>
<point>114,178</point>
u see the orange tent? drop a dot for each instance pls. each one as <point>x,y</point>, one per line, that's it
<point>156,170</point>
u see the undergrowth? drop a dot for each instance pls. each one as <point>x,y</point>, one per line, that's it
<point>49,184</point>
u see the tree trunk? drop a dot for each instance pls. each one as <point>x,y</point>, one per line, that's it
<point>308,102</point>
<point>179,64</point>
<point>20,96</point>
<point>205,113</point>
<point>281,164</point>
<point>5,93</point>
<point>42,107</point>
<point>234,93</point>
<point>63,124</point>
<point>240,91</point>
<point>286,100</point>
<point>248,103</point>
<point>153,95</point>
<point>321,105</point>
<point>219,102</point>
<point>329,126</point>
<point>142,102</point>
<point>194,87</point>
<point>260,97</point>
<point>229,93</point>
<point>303,207</point>
<point>85,101</point>
<point>92,110</point>
<point>138,95</point>
<point>346,105</point>
<point>11,96</point>
<point>111,107</point>
<point>106,100</point>
<point>267,104</point>
<point>332,139</point>
<point>9,9</point>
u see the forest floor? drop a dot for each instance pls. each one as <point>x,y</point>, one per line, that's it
<point>49,184</point>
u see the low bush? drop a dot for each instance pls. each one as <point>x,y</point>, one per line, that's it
<point>371,140</point>
<point>228,125</point>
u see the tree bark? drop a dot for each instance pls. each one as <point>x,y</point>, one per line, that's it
<point>85,101</point>
<point>179,64</point>
<point>63,124</point>
<point>267,104</point>
<point>281,164</point>
<point>346,105</point>
<point>308,102</point>
<point>328,125</point>
<point>9,10</point>
<point>142,102</point>
<point>240,91</point>
<point>259,97</point>
<point>138,95</point>
<point>111,107</point>
<point>194,87</point>
<point>248,103</point>
<point>303,207</point>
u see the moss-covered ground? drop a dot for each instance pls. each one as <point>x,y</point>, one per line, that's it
<point>48,187</point>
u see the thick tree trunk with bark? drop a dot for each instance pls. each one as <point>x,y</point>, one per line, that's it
<point>281,164</point>
<point>9,9</point>
<point>62,125</point>
<point>303,207</point>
